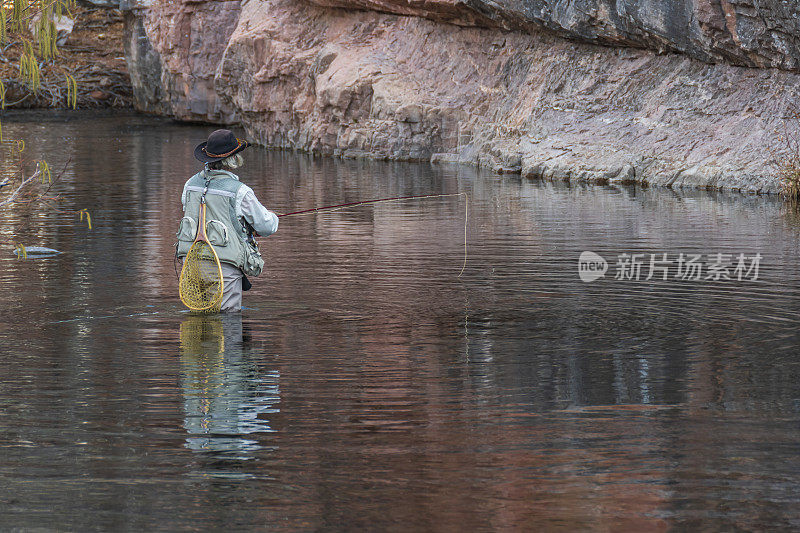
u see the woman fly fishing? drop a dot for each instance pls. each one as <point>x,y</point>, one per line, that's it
<point>216,241</point>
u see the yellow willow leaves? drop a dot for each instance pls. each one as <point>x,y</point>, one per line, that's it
<point>46,34</point>
<point>62,7</point>
<point>44,169</point>
<point>72,92</point>
<point>85,212</point>
<point>40,43</point>
<point>17,10</point>
<point>3,26</point>
<point>20,250</point>
<point>29,66</point>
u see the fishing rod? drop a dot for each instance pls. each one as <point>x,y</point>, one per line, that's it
<point>365,202</point>
<point>393,199</point>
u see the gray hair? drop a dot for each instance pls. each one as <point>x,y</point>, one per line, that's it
<point>232,162</point>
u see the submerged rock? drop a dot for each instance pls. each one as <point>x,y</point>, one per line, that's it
<point>36,251</point>
<point>449,82</point>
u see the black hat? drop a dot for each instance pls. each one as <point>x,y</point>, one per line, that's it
<point>220,144</point>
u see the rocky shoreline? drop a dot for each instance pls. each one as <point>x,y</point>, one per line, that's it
<point>685,94</point>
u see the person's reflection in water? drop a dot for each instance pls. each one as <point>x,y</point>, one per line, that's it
<point>225,394</point>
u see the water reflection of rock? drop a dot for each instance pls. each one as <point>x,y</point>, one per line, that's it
<point>226,397</point>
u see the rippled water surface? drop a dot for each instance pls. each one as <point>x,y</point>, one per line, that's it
<point>366,385</point>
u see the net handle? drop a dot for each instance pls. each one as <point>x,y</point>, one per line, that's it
<point>201,226</point>
<point>201,237</point>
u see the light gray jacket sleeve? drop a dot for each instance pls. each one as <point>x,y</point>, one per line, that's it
<point>183,196</point>
<point>264,221</point>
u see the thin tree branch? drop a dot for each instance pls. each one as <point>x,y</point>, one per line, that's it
<point>21,186</point>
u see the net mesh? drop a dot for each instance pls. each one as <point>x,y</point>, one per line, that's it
<point>200,284</point>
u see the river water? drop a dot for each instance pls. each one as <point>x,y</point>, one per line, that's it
<point>366,385</point>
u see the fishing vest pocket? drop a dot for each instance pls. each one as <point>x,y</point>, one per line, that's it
<point>187,231</point>
<point>217,233</point>
<point>253,262</point>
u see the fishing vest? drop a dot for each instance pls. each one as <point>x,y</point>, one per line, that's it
<point>224,230</point>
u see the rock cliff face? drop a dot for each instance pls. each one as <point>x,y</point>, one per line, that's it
<point>174,49</point>
<point>757,33</point>
<point>493,83</point>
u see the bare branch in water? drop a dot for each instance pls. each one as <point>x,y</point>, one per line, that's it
<point>27,181</point>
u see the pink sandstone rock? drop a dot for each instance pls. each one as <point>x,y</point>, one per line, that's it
<point>174,49</point>
<point>360,83</point>
<point>757,33</point>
